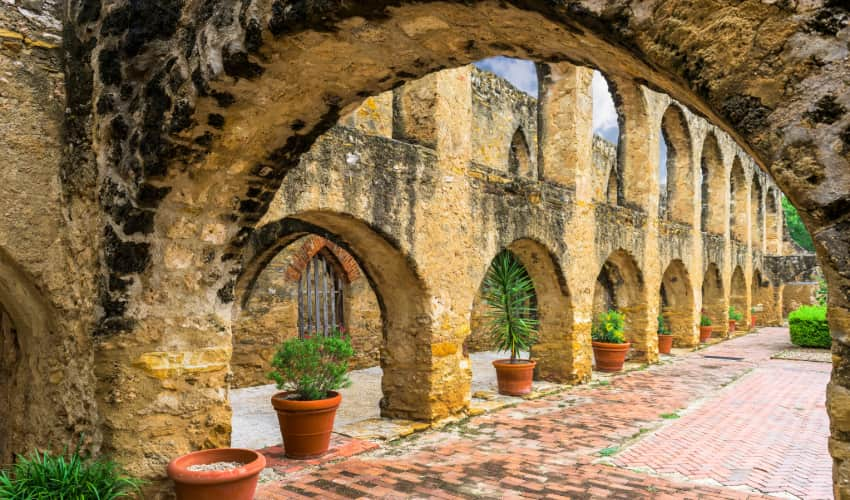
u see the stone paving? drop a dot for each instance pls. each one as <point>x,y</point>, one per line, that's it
<point>768,426</point>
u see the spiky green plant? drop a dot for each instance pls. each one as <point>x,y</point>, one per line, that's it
<point>313,366</point>
<point>44,476</point>
<point>512,313</point>
<point>609,327</point>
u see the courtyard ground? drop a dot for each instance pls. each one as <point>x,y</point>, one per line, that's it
<point>726,421</point>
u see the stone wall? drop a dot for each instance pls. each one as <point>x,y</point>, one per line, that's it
<point>795,295</point>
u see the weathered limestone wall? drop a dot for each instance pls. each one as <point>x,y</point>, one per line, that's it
<point>795,295</point>
<point>270,314</point>
<point>48,249</point>
<point>184,121</point>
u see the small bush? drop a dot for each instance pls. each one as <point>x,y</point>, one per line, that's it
<point>313,366</point>
<point>43,476</point>
<point>704,320</point>
<point>735,315</point>
<point>609,327</point>
<point>809,327</point>
<point>662,326</point>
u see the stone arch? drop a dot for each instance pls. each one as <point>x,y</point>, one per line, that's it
<point>757,211</point>
<point>620,285</point>
<point>614,185</point>
<point>269,311</point>
<point>738,297</point>
<point>713,187</point>
<point>519,156</point>
<point>738,195</point>
<point>405,350</point>
<point>713,299</point>
<point>677,304</point>
<point>680,183</point>
<point>27,374</point>
<point>553,350</point>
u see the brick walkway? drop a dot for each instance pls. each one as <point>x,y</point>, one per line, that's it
<point>551,448</point>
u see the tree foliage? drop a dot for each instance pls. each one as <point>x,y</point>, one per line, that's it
<point>798,231</point>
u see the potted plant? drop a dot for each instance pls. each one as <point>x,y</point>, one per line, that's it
<point>665,336</point>
<point>609,341</point>
<point>704,328</point>
<point>752,318</point>
<point>309,371</point>
<point>217,473</point>
<point>511,321</point>
<point>734,317</point>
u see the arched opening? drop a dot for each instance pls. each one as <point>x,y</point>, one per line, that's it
<point>519,160</point>
<point>620,286</point>
<point>677,304</point>
<point>605,125</point>
<point>713,300</point>
<point>553,350</point>
<point>738,221</point>
<point>757,207</point>
<point>309,288</point>
<point>293,250</point>
<point>738,298</point>
<point>713,187</point>
<point>676,174</point>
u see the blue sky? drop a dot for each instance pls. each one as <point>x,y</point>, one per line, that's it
<point>522,74</point>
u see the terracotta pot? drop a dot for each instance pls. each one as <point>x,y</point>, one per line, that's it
<point>306,426</point>
<point>752,321</point>
<point>236,484</point>
<point>665,343</point>
<point>704,333</point>
<point>732,325</point>
<point>610,357</point>
<point>514,378</point>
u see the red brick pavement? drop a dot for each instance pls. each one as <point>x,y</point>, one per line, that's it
<point>547,448</point>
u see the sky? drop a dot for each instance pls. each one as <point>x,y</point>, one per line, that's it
<point>522,74</point>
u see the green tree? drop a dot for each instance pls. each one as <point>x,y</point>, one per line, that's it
<point>795,226</point>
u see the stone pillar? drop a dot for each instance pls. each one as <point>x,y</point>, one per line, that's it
<point>565,141</point>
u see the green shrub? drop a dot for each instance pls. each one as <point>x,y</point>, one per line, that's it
<point>609,327</point>
<point>313,366</point>
<point>809,328</point>
<point>735,315</point>
<point>44,476</point>
<point>704,320</point>
<point>662,326</point>
<point>512,312</point>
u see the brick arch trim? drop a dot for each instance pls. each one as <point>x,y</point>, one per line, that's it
<point>314,244</point>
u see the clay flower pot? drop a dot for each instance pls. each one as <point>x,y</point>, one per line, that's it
<point>610,357</point>
<point>665,343</point>
<point>236,484</point>
<point>306,426</point>
<point>705,333</point>
<point>514,378</point>
<point>732,325</point>
<point>752,321</point>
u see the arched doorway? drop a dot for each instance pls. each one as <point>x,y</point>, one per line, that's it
<point>713,187</point>
<point>738,220</point>
<point>620,286</point>
<point>553,350</point>
<point>713,300</point>
<point>757,208</point>
<point>678,187</point>
<point>405,349</point>
<point>677,304</point>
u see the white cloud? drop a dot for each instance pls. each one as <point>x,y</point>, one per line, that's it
<point>604,111</point>
<point>521,73</point>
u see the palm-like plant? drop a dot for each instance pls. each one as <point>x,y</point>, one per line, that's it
<point>512,315</point>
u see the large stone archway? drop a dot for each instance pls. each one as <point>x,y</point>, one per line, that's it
<point>677,304</point>
<point>714,303</point>
<point>620,286</point>
<point>170,164</point>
